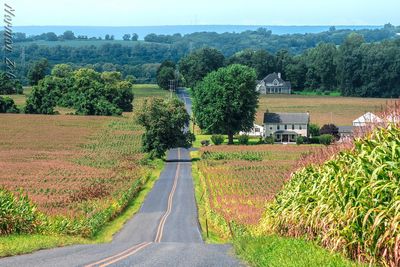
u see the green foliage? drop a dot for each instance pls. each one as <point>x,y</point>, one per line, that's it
<point>9,86</point>
<point>38,71</point>
<point>243,139</point>
<point>164,75</point>
<point>17,214</point>
<point>164,121</point>
<point>7,105</point>
<point>300,140</point>
<point>349,204</point>
<point>87,91</point>
<point>225,102</point>
<point>217,139</point>
<point>314,130</point>
<point>198,64</point>
<point>248,156</point>
<point>326,139</point>
<point>274,251</point>
<point>270,140</point>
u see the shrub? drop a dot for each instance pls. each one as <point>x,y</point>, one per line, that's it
<point>217,139</point>
<point>326,139</point>
<point>9,86</point>
<point>300,140</point>
<point>205,142</point>
<point>313,140</point>
<point>7,105</point>
<point>270,140</point>
<point>243,139</point>
<point>330,129</point>
<point>349,203</point>
<point>314,130</point>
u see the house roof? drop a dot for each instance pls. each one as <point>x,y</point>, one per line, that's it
<point>289,118</point>
<point>368,118</point>
<point>345,129</point>
<point>272,77</point>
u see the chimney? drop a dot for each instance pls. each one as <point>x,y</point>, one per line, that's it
<point>279,75</point>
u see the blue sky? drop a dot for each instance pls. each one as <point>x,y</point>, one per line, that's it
<point>188,12</point>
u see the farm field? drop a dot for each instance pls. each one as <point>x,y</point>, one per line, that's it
<point>340,111</point>
<point>60,161</point>
<point>240,179</point>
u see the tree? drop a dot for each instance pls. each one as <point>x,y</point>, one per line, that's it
<point>262,61</point>
<point>43,99</point>
<point>62,70</point>
<point>314,130</point>
<point>135,37</point>
<point>329,129</point>
<point>38,71</point>
<point>68,35</point>
<point>131,79</point>
<point>164,121</point>
<point>7,105</point>
<point>164,76</point>
<point>9,86</point>
<point>51,36</point>
<point>126,37</point>
<point>107,37</point>
<point>198,64</point>
<point>225,102</point>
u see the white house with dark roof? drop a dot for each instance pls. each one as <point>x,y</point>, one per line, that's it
<point>274,84</point>
<point>286,127</point>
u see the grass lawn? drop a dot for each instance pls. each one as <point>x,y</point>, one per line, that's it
<point>274,251</point>
<point>207,137</point>
<point>323,109</point>
<point>149,90</point>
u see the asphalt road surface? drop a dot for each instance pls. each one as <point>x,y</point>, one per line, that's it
<point>165,232</point>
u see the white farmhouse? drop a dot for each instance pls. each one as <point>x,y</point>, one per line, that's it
<point>257,131</point>
<point>367,119</point>
<point>286,127</point>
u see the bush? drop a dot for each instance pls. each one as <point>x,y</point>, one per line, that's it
<point>300,140</point>
<point>314,130</point>
<point>313,140</point>
<point>326,139</point>
<point>7,105</point>
<point>205,142</point>
<point>330,129</point>
<point>270,140</point>
<point>9,86</point>
<point>217,139</point>
<point>243,139</point>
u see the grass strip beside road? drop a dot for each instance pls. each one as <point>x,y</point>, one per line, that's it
<point>21,244</point>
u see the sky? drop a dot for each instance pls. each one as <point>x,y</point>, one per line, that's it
<point>204,12</point>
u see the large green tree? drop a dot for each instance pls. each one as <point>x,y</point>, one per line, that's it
<point>225,102</point>
<point>198,64</point>
<point>166,73</point>
<point>263,62</point>
<point>38,71</point>
<point>9,86</point>
<point>165,121</point>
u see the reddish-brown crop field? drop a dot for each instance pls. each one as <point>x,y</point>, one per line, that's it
<point>65,162</point>
<point>240,179</point>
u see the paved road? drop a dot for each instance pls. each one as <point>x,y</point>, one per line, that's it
<point>165,232</point>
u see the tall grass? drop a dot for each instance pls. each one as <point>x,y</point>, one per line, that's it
<point>350,203</point>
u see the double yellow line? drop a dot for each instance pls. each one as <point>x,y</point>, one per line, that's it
<point>132,250</point>
<point>160,229</point>
<point>124,254</point>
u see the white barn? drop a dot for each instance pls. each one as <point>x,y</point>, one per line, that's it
<point>367,119</point>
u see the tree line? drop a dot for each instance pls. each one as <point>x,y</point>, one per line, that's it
<point>355,68</point>
<point>142,59</point>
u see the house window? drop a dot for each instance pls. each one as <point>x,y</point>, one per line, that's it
<point>278,136</point>
<point>278,127</point>
<point>301,127</point>
<point>257,130</point>
<point>285,126</point>
<point>292,126</point>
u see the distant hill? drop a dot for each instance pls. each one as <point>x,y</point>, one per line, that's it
<point>142,31</point>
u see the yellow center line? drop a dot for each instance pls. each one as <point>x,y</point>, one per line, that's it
<point>126,255</point>
<point>163,220</point>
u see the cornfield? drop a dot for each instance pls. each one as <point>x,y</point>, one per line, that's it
<point>350,203</point>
